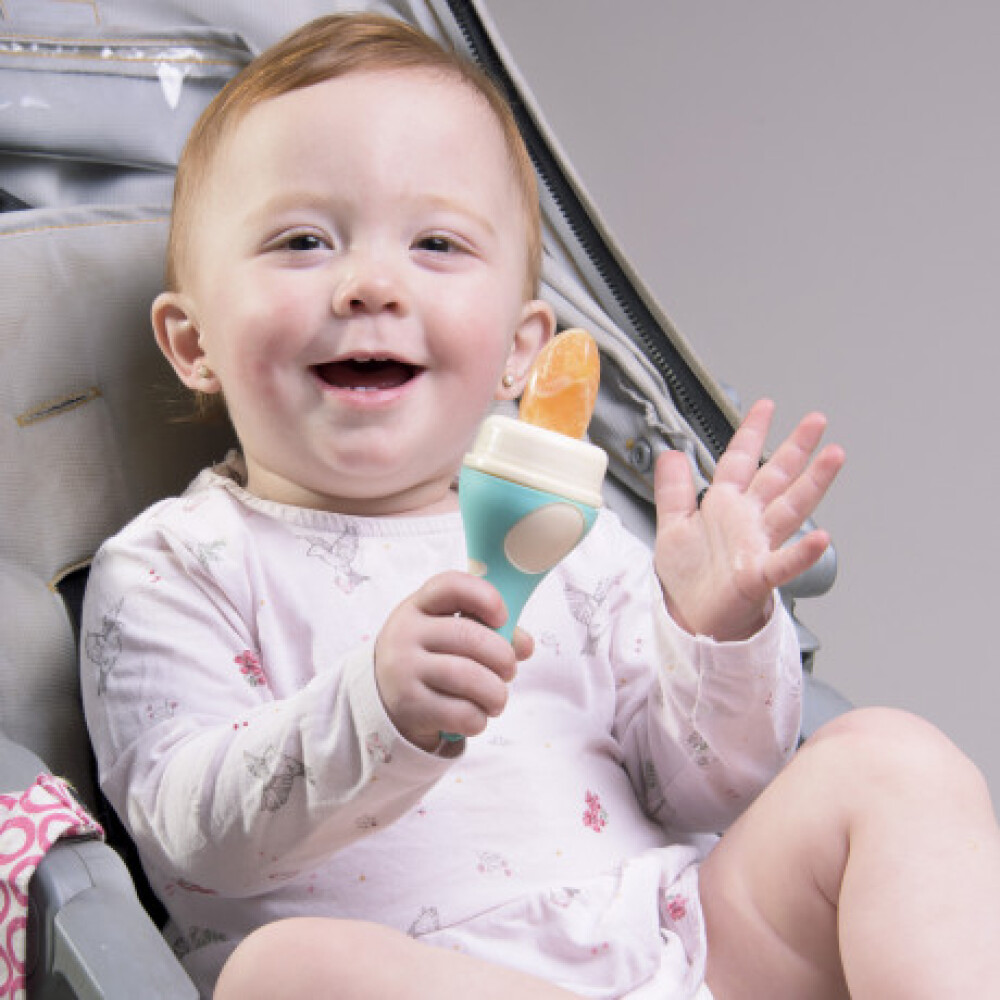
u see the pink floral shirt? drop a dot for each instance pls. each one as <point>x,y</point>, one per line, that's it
<point>228,678</point>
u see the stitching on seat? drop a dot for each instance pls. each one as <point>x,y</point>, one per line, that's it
<point>91,224</point>
<point>57,407</point>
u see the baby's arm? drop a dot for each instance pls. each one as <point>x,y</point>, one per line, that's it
<point>232,764</point>
<point>718,721</point>
<point>722,716</point>
<point>703,726</point>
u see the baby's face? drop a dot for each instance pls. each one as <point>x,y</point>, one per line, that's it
<point>356,277</point>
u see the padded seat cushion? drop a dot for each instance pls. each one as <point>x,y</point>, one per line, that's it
<point>90,437</point>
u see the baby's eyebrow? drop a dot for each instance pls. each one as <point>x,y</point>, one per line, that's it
<point>299,200</point>
<point>448,204</point>
<point>288,201</point>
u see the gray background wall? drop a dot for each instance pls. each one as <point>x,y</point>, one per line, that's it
<point>812,191</point>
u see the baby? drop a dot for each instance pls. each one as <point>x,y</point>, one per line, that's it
<point>353,267</point>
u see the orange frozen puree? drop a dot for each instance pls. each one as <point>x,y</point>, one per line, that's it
<point>562,386</point>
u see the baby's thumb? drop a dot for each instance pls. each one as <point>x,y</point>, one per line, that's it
<point>674,487</point>
<point>524,644</point>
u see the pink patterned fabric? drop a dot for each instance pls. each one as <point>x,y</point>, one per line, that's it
<point>545,843</point>
<point>30,823</point>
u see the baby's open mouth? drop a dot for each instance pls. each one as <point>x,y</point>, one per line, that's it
<point>367,374</point>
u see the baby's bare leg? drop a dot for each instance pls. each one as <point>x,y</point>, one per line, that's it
<point>870,868</point>
<point>325,959</point>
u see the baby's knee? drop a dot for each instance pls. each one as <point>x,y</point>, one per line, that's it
<point>894,752</point>
<point>298,957</point>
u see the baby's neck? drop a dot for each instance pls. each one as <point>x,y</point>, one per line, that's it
<point>422,500</point>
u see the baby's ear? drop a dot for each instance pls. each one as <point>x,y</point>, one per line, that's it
<point>534,330</point>
<point>179,338</point>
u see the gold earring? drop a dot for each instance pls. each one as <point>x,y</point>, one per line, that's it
<point>508,380</point>
<point>203,371</point>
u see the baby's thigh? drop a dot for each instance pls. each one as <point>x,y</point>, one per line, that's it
<point>298,957</point>
<point>351,960</point>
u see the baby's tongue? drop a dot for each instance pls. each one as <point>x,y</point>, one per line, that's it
<point>365,375</point>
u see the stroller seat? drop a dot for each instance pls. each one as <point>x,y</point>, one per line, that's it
<point>90,432</point>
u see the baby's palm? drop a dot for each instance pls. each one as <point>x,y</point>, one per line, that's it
<point>719,562</point>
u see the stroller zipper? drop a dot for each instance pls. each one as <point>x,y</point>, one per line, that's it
<point>689,395</point>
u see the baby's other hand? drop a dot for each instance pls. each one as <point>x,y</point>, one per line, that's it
<point>439,664</point>
<point>719,562</point>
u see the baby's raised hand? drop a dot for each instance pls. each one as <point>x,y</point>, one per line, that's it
<point>439,665</point>
<point>719,562</point>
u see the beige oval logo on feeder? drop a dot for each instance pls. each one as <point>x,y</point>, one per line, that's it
<point>545,536</point>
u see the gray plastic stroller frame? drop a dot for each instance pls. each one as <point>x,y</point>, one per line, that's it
<point>101,96</point>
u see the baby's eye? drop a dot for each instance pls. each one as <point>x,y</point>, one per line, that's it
<point>301,242</point>
<point>437,244</point>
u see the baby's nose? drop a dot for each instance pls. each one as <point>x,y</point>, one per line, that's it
<point>367,285</point>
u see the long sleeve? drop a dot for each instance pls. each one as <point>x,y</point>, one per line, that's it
<point>713,723</point>
<point>239,744</point>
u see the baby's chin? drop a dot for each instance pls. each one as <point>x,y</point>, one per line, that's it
<point>364,482</point>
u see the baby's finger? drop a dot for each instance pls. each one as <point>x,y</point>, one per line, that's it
<point>455,716</point>
<point>790,460</point>
<point>458,678</point>
<point>454,593</point>
<point>524,644</point>
<point>474,642</point>
<point>673,485</point>
<point>740,461</point>
<point>785,564</point>
<point>787,512</point>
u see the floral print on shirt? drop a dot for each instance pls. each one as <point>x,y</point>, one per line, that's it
<point>594,816</point>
